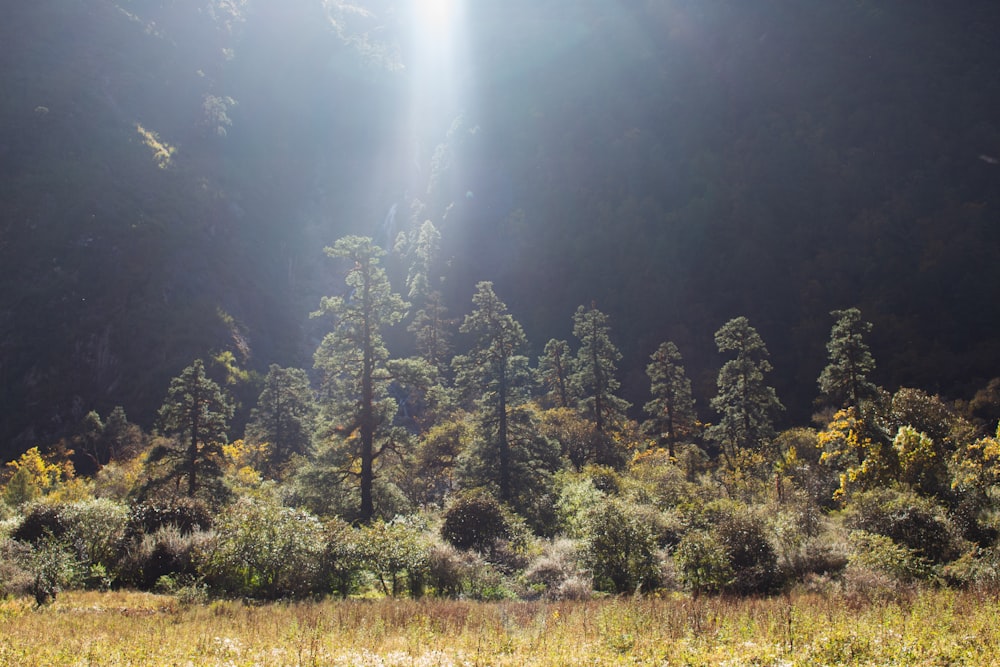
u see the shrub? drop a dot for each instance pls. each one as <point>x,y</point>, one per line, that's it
<point>395,553</point>
<point>547,575</point>
<point>620,549</point>
<point>341,564</point>
<point>166,553</point>
<point>703,563</point>
<point>475,521</point>
<point>41,521</point>
<point>882,554</point>
<point>186,514</point>
<point>912,521</point>
<point>750,554</point>
<point>97,529</point>
<point>264,550</point>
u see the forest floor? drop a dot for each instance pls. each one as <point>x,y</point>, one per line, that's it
<point>927,627</point>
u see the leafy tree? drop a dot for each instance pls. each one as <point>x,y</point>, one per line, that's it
<point>352,361</point>
<point>620,549</point>
<point>746,405</point>
<point>555,367</point>
<point>594,378</point>
<point>672,415</point>
<point>33,476</point>
<point>195,416</point>
<point>496,372</point>
<point>264,550</point>
<point>475,520</point>
<point>844,381</point>
<point>284,417</point>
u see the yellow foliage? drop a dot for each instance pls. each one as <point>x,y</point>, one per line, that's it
<point>33,476</point>
<point>163,153</point>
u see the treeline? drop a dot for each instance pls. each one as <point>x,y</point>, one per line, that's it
<point>468,468</point>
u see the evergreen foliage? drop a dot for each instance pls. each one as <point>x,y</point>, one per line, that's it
<point>358,411</point>
<point>284,417</point>
<point>845,381</point>
<point>195,416</point>
<point>672,414</point>
<point>496,372</point>
<point>746,405</point>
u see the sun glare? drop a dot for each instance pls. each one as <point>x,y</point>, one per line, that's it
<point>437,17</point>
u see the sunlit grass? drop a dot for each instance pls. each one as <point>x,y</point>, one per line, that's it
<point>932,628</point>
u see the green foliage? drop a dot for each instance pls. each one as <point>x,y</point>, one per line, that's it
<point>351,360</point>
<point>844,381</point>
<point>497,374</point>
<point>594,374</point>
<point>746,405</point>
<point>672,414</point>
<point>555,368</point>
<point>620,549</point>
<point>914,522</point>
<point>883,554</point>
<point>751,557</point>
<point>264,550</point>
<point>284,417</point>
<point>703,563</point>
<point>395,553</point>
<point>195,416</point>
<point>340,566</point>
<point>475,520</point>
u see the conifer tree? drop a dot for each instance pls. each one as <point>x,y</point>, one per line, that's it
<point>284,417</point>
<point>497,373</point>
<point>671,411</point>
<point>594,378</point>
<point>594,384</point>
<point>195,415</point>
<point>352,361</point>
<point>553,373</point>
<point>746,405</point>
<point>844,381</point>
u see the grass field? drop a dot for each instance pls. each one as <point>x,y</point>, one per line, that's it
<point>927,628</point>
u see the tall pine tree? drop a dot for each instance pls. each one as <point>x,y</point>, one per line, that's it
<point>671,411</point>
<point>844,381</point>
<point>495,371</point>
<point>195,416</point>
<point>352,361</point>
<point>746,405</point>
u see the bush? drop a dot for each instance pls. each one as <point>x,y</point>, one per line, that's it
<point>97,529</point>
<point>750,554</point>
<point>395,553</point>
<point>703,563</point>
<point>549,573</point>
<point>341,564</point>
<point>620,549</point>
<point>882,554</point>
<point>264,550</point>
<point>912,521</point>
<point>475,521</point>
<point>166,553</point>
<point>41,521</point>
<point>186,514</point>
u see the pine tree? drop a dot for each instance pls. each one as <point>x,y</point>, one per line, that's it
<point>284,417</point>
<point>746,405</point>
<point>195,415</point>
<point>496,372</point>
<point>594,378</point>
<point>845,379</point>
<point>553,373</point>
<point>352,362</point>
<point>671,411</point>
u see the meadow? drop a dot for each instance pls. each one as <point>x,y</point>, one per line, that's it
<point>922,627</point>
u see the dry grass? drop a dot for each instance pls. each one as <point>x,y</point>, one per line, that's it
<point>931,628</point>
